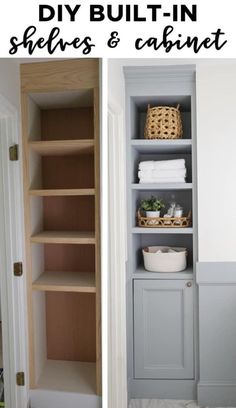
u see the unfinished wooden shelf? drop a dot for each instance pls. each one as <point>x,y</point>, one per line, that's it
<point>60,127</point>
<point>64,237</point>
<point>66,282</point>
<point>62,147</point>
<point>63,192</point>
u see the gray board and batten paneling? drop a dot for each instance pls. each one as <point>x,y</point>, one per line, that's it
<point>217,333</point>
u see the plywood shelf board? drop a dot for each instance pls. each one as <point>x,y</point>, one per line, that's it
<point>63,192</point>
<point>64,237</point>
<point>68,376</point>
<point>63,147</point>
<point>66,282</point>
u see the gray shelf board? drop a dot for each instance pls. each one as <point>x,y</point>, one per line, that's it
<point>141,273</point>
<point>162,186</point>
<point>162,146</point>
<point>140,230</point>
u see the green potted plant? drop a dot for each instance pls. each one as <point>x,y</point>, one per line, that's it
<point>152,206</point>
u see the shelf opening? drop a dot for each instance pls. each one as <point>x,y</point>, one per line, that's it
<point>62,257</point>
<point>139,106</point>
<point>61,115</point>
<point>181,197</point>
<point>141,241</point>
<point>69,268</point>
<point>139,157</point>
<point>68,214</point>
<point>65,338</point>
<point>61,172</point>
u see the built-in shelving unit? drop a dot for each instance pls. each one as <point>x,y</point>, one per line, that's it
<point>160,305</point>
<point>62,224</point>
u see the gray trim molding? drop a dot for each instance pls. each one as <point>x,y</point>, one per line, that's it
<point>175,73</point>
<point>216,394</point>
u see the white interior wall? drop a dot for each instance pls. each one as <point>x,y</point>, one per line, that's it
<point>10,81</point>
<point>216,121</point>
<point>216,147</point>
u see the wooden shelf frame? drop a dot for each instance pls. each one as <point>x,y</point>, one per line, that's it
<point>52,77</point>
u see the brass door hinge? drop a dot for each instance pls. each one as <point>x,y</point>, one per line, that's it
<point>20,378</point>
<point>18,268</point>
<point>14,152</point>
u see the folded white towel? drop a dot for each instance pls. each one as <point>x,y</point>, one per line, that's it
<point>162,173</point>
<point>164,164</point>
<point>162,180</point>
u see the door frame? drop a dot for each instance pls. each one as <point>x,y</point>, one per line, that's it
<point>13,289</point>
<point>117,364</point>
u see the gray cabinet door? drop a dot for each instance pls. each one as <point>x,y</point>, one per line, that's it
<point>163,329</point>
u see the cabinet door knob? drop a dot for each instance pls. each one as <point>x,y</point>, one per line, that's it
<point>189,284</point>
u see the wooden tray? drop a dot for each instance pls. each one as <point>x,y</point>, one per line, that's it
<point>164,222</point>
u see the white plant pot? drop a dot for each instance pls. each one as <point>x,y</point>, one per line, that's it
<point>151,214</point>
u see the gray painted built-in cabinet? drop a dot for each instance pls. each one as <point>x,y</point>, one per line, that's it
<point>161,307</point>
<point>163,329</point>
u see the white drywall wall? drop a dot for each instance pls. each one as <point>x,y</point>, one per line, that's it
<point>216,148</point>
<point>216,145</point>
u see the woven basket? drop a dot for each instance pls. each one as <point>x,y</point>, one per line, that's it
<point>163,122</point>
<point>164,222</point>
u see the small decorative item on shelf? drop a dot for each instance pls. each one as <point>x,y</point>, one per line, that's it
<point>163,122</point>
<point>152,208</point>
<point>164,222</point>
<point>165,259</point>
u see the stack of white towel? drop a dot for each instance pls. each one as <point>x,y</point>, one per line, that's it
<point>166,171</point>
